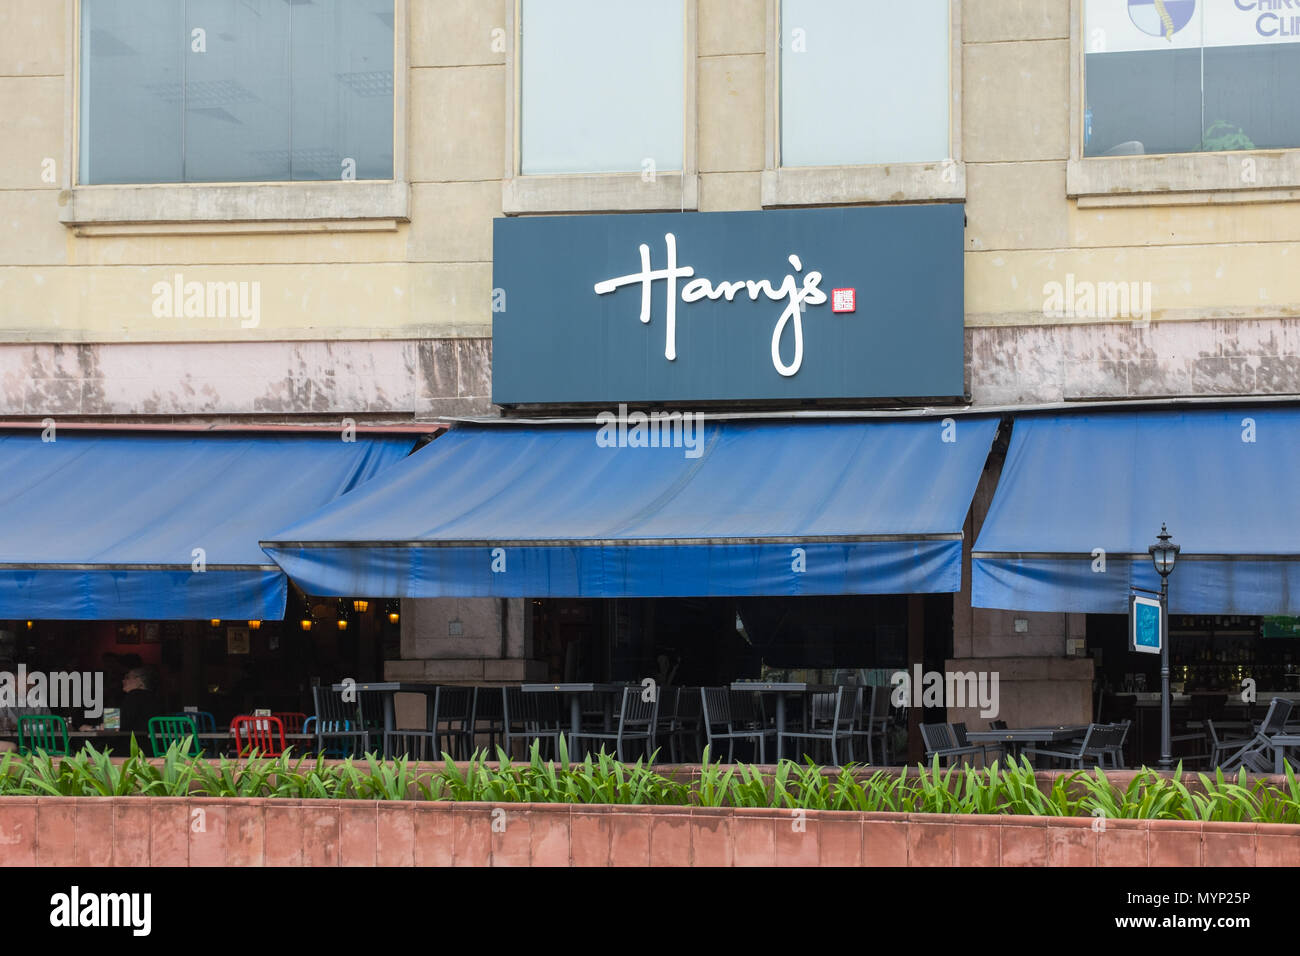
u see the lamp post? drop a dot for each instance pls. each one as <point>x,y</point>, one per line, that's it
<point>1163,555</point>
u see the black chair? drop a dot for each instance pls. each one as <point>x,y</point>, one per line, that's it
<point>962,741</point>
<point>1221,747</point>
<point>719,724</point>
<point>637,722</point>
<point>940,742</point>
<point>1258,754</point>
<point>1099,743</point>
<point>829,720</point>
<point>1116,752</point>
<point>747,712</point>
<point>685,742</point>
<point>370,711</point>
<point>453,713</point>
<point>488,718</point>
<point>877,717</point>
<point>531,717</point>
<point>450,731</point>
<point>338,726</point>
<point>669,701</point>
<point>860,726</point>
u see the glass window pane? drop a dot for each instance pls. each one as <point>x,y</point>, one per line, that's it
<point>601,85</point>
<point>237,92</point>
<point>132,62</point>
<point>1250,87</point>
<point>1142,74</point>
<point>864,83</point>
<point>343,90</point>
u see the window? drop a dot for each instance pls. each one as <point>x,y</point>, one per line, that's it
<point>1177,76</point>
<point>1183,102</point>
<point>864,102</point>
<point>600,106</point>
<point>224,91</point>
<point>864,83</point>
<point>601,86</point>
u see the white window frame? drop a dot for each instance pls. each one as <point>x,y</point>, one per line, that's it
<point>668,191</point>
<point>877,183</point>
<point>1165,179</point>
<point>168,208</point>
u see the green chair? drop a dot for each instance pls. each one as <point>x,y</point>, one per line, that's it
<point>47,732</point>
<point>173,729</point>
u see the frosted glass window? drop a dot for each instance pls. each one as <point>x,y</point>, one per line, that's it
<point>601,86</point>
<point>343,89</point>
<point>864,82</point>
<point>132,69</point>
<point>235,90</point>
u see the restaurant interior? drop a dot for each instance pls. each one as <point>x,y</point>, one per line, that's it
<point>233,668</point>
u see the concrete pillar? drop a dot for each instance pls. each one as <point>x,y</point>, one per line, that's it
<point>461,641</point>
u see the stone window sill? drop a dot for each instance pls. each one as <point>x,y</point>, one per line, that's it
<point>600,192</point>
<point>303,205</point>
<point>1184,178</point>
<point>834,185</point>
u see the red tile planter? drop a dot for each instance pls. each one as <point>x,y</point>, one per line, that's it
<point>143,831</point>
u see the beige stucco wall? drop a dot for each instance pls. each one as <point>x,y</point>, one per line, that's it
<point>430,278</point>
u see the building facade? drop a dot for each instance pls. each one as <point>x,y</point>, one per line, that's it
<point>243,247</point>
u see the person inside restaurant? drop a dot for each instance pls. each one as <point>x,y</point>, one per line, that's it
<point>140,701</point>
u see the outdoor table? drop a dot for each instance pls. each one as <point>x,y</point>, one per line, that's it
<point>388,689</point>
<point>1013,739</point>
<point>782,690</point>
<point>573,692</point>
<point>1280,743</point>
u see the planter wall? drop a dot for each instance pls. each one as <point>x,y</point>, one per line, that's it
<point>146,831</point>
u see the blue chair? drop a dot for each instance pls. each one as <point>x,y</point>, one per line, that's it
<point>204,723</point>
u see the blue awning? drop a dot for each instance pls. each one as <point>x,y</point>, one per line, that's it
<point>1081,497</point>
<point>162,527</point>
<point>847,507</point>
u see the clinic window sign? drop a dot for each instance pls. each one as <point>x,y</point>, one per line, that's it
<point>856,303</point>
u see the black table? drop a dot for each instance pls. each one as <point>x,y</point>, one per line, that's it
<point>782,690</point>
<point>1280,744</point>
<point>574,692</point>
<point>1013,739</point>
<point>387,690</point>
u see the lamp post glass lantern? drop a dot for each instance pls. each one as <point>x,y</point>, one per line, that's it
<point>1163,555</point>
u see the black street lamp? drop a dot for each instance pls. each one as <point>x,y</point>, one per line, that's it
<point>1163,555</point>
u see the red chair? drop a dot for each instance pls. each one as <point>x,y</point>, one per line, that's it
<point>263,734</point>
<point>292,721</point>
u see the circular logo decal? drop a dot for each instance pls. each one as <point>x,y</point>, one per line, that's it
<point>1161,18</point>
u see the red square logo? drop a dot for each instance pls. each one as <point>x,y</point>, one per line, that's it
<point>844,300</point>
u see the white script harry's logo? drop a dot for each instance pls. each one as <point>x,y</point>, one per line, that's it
<point>790,290</point>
